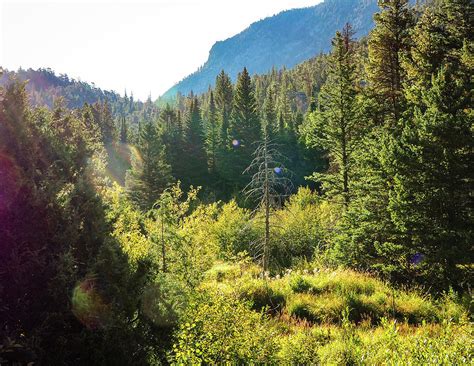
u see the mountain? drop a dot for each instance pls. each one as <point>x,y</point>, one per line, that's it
<point>283,40</point>
<point>44,87</point>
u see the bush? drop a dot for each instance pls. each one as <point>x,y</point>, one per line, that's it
<point>445,344</point>
<point>223,330</point>
<point>232,230</point>
<point>298,230</point>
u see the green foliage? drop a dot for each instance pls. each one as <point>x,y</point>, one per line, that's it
<point>244,128</point>
<point>337,125</point>
<point>194,147</point>
<point>261,295</point>
<point>136,275</point>
<point>300,229</point>
<point>299,284</point>
<point>232,230</point>
<point>328,320</point>
<point>222,330</point>
<point>150,173</point>
<point>389,43</point>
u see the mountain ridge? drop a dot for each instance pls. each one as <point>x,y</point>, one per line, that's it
<point>283,40</point>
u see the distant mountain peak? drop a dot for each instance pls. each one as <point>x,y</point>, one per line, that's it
<point>285,39</point>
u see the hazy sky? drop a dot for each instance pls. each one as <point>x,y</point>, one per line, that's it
<point>144,46</point>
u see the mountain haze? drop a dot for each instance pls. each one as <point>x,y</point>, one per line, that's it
<point>283,40</point>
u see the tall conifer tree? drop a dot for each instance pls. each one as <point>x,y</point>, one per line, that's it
<point>388,43</point>
<point>245,128</point>
<point>150,173</point>
<point>336,126</point>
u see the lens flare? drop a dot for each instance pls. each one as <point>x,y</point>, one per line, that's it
<point>417,259</point>
<point>163,301</point>
<point>120,157</point>
<point>88,306</point>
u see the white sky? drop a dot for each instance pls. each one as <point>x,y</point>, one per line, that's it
<point>144,46</point>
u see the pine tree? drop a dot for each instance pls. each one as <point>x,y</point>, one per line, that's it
<point>106,122</point>
<point>245,128</point>
<point>431,159</point>
<point>194,147</point>
<point>224,92</point>
<point>336,126</point>
<point>123,131</point>
<point>150,173</point>
<point>284,107</point>
<point>270,126</point>
<point>223,99</point>
<point>212,136</point>
<point>388,43</point>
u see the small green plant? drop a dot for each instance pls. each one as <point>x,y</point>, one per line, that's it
<point>299,284</point>
<point>262,295</point>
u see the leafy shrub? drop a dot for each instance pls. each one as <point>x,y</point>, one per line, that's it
<point>298,230</point>
<point>164,300</point>
<point>223,330</point>
<point>232,230</point>
<point>346,349</point>
<point>445,344</point>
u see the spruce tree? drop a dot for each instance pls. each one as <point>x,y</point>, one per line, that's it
<point>336,126</point>
<point>123,130</point>
<point>388,43</point>
<point>223,100</point>
<point>150,173</point>
<point>270,126</point>
<point>244,129</point>
<point>195,172</point>
<point>106,123</point>
<point>223,92</point>
<point>431,159</point>
<point>212,136</point>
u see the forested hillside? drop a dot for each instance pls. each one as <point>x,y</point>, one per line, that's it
<point>283,40</point>
<point>44,88</point>
<point>316,215</point>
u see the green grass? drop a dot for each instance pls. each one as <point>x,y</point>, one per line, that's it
<point>320,296</point>
<point>326,317</point>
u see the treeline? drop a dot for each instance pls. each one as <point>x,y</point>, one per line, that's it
<point>209,139</point>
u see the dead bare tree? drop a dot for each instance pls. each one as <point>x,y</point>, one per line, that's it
<point>269,185</point>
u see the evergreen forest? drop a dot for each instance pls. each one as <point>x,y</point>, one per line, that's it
<point>314,215</point>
